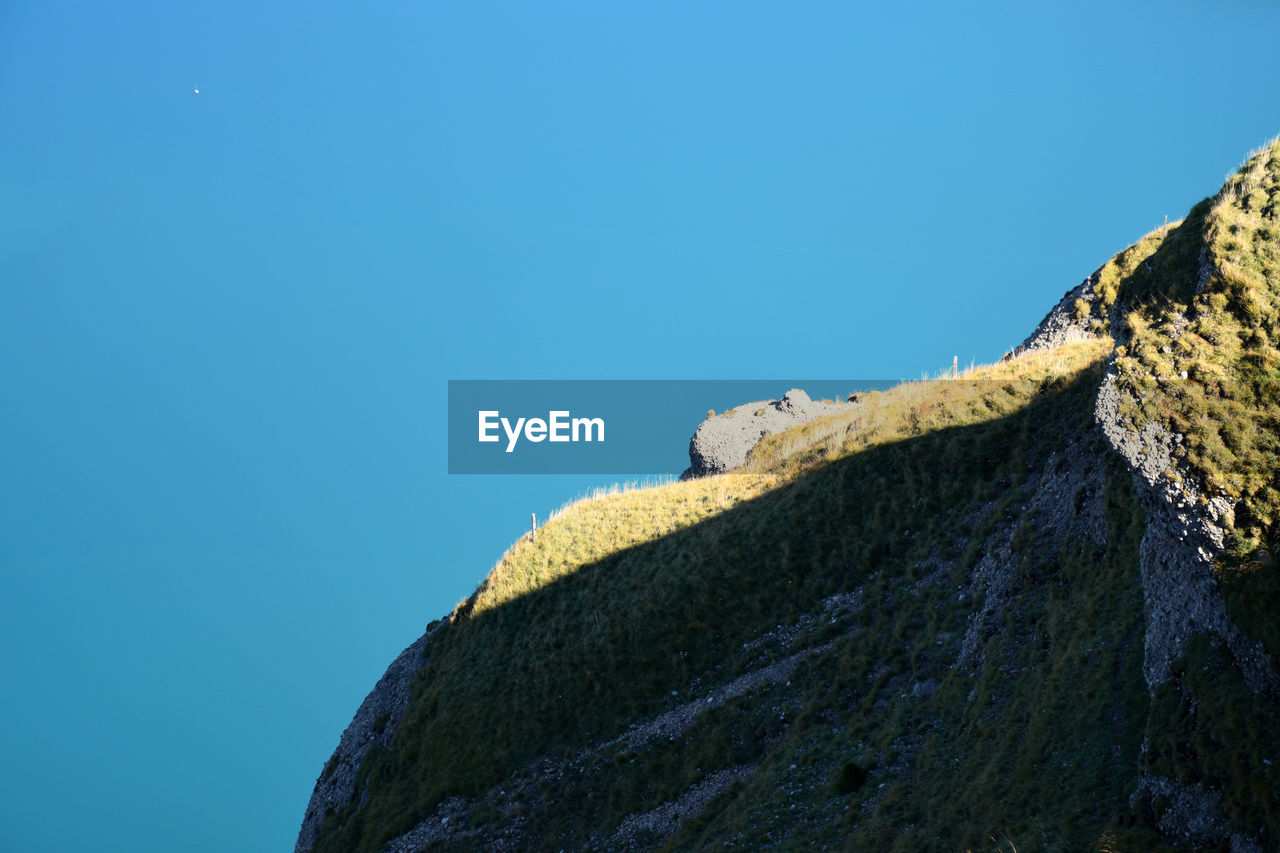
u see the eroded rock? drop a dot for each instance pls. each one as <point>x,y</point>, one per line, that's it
<point>722,442</point>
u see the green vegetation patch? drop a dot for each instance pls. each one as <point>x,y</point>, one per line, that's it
<point>1207,727</point>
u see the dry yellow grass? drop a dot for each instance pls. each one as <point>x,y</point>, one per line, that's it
<point>594,527</point>
<point>916,408</point>
<point>606,522</point>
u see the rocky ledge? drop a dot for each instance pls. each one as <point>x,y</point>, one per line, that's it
<point>722,442</point>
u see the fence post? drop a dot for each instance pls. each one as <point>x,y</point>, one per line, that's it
<point>533,534</point>
<point>955,366</point>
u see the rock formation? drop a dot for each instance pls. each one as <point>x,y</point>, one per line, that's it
<point>722,442</point>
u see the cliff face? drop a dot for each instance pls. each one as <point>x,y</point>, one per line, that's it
<point>1033,604</point>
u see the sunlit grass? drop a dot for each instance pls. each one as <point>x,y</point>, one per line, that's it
<point>911,409</point>
<point>603,524</point>
<point>1206,364</point>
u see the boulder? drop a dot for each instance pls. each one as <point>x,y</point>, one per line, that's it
<point>722,442</point>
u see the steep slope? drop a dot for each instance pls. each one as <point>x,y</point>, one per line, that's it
<point>1191,401</point>
<point>1032,605</point>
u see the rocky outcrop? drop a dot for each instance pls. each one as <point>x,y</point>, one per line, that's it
<point>1186,528</point>
<point>722,442</point>
<point>1191,814</point>
<point>1185,534</point>
<point>666,818</point>
<point>374,724</point>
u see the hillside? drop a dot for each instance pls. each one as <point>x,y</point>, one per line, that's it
<point>1030,607</point>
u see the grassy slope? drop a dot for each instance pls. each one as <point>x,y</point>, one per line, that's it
<point>1225,338</point>
<point>626,598</point>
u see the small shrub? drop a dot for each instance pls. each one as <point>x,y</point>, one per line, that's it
<point>850,778</point>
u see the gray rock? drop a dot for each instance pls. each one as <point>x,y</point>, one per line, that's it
<point>722,442</point>
<point>1192,814</point>
<point>925,689</point>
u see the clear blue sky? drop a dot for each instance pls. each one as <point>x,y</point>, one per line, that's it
<point>227,319</point>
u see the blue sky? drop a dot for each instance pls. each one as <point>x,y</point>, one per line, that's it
<point>227,320</point>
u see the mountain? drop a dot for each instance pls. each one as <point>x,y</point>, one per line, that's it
<point>1032,607</point>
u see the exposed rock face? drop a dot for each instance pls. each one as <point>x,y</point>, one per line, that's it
<point>374,724</point>
<point>1186,528</point>
<point>1192,815</point>
<point>666,818</point>
<point>1077,316</point>
<point>722,442</point>
<point>1185,534</point>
